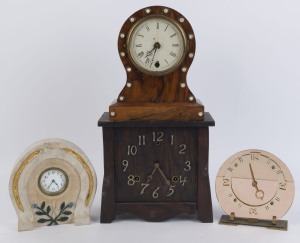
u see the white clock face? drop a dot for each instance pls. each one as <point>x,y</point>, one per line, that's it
<point>157,45</point>
<point>53,181</point>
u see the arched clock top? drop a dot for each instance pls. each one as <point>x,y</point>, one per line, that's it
<point>156,46</point>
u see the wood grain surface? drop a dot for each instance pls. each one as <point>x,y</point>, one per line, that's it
<point>150,97</point>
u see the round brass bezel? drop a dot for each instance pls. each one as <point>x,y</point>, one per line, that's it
<point>142,69</point>
<point>53,193</point>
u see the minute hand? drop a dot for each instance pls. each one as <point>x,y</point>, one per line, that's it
<point>253,179</point>
<point>259,194</point>
<point>164,176</point>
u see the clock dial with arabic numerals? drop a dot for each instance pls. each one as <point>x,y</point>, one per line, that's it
<point>156,164</point>
<point>157,44</point>
<point>53,181</point>
<point>255,184</point>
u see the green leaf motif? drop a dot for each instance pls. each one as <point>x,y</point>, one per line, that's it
<point>62,206</point>
<point>63,219</point>
<point>46,212</point>
<point>67,213</point>
<point>43,205</point>
<point>43,220</point>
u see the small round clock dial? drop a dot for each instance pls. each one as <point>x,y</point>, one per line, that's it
<point>53,181</point>
<point>157,45</point>
<point>255,184</point>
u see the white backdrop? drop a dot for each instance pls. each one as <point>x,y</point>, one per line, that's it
<point>60,70</point>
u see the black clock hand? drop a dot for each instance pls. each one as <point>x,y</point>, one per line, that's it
<point>50,184</point>
<point>55,183</point>
<point>153,57</point>
<point>149,52</point>
<point>156,46</point>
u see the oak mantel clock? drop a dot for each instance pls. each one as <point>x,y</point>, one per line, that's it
<point>156,135</point>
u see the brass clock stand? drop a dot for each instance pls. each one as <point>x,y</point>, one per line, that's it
<point>270,224</point>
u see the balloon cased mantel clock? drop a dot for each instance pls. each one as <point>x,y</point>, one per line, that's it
<point>156,136</point>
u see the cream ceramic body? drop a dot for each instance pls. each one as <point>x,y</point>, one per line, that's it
<point>70,202</point>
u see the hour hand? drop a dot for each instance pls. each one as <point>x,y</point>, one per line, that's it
<point>149,52</point>
<point>150,177</point>
<point>55,183</point>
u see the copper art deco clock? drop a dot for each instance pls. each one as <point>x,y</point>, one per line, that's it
<point>255,187</point>
<point>156,133</point>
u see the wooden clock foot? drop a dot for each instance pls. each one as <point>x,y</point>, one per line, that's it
<point>108,206</point>
<point>108,211</point>
<point>204,214</point>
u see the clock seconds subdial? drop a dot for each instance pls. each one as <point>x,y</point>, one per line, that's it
<point>157,45</point>
<point>53,181</point>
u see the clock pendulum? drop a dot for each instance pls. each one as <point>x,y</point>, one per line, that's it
<point>156,135</point>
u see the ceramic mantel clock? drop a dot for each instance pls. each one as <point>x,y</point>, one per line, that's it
<point>53,182</point>
<point>156,134</point>
<point>255,187</point>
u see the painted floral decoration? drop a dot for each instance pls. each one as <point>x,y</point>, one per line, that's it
<point>45,212</point>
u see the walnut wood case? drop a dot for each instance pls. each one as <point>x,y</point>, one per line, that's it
<point>151,97</point>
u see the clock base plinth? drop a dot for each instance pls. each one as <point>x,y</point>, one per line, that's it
<point>277,224</point>
<point>156,212</point>
<point>152,111</point>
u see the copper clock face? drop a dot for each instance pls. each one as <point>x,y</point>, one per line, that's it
<point>156,44</point>
<point>255,184</point>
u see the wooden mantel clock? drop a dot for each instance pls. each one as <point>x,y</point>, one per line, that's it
<point>156,133</point>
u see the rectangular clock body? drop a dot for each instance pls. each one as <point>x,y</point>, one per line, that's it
<point>156,170</point>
